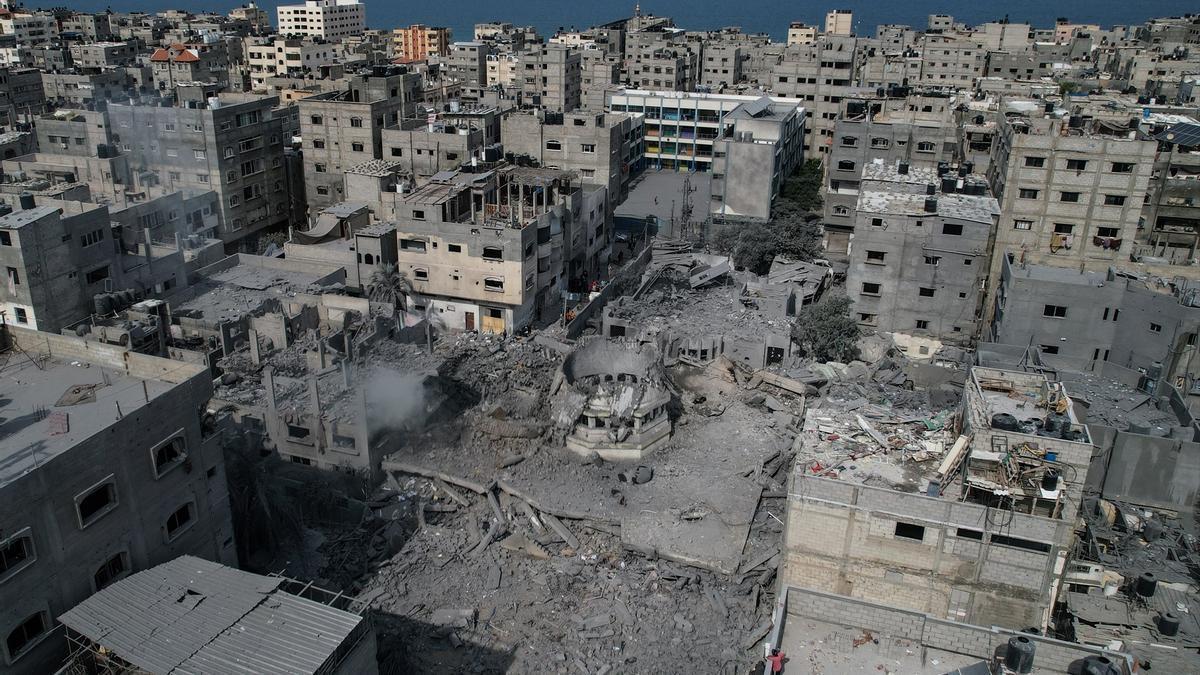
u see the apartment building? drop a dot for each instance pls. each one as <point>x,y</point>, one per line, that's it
<point>1172,211</point>
<point>1071,189</point>
<point>103,54</point>
<point>344,128</point>
<point>206,62</point>
<point>600,73</point>
<point>603,148</point>
<point>266,58</point>
<point>93,27</point>
<point>671,68</point>
<point>493,251</point>
<point>951,62</point>
<point>916,129</point>
<point>30,29</point>
<point>83,89</point>
<point>821,74</point>
<point>800,34</point>
<point>58,255</point>
<point>551,77</point>
<point>920,251</point>
<point>80,509</point>
<point>419,42</point>
<point>839,22</point>
<point>421,148</point>
<point>328,19</point>
<point>721,66</point>
<point>232,144</point>
<point>1081,320</point>
<point>468,62</point>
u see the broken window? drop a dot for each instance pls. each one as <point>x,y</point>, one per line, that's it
<point>421,273</point>
<point>1122,167</point>
<point>16,553</point>
<point>97,275</point>
<point>168,455</point>
<point>111,570</point>
<point>25,635</point>
<point>5,238</point>
<point>493,284</point>
<point>876,255</point>
<point>1035,162</point>
<point>933,259</point>
<point>922,324</point>
<point>178,521</point>
<point>412,245</point>
<point>1076,164</point>
<point>910,531</point>
<point>93,503</point>
<point>493,253</point>
<point>298,432</point>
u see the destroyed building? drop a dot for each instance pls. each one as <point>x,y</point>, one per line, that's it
<point>616,399</point>
<point>79,511</point>
<point>200,616</point>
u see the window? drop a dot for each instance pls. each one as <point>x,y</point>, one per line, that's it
<point>869,288</point>
<point>22,315</point>
<point>26,635</point>
<point>397,152</point>
<point>910,531</point>
<point>1063,228</point>
<point>250,144</point>
<point>198,154</point>
<point>933,259</point>
<point>179,521</point>
<point>553,145</point>
<point>849,141</point>
<point>1076,164</point>
<point>16,553</point>
<point>356,147</point>
<point>5,238</point>
<point>319,168</point>
<point>841,210</point>
<point>418,214</point>
<point>877,222</point>
<point>1071,197</point>
<point>1114,200</point>
<point>878,142</point>
<point>111,570</point>
<point>91,238</point>
<point>493,253</point>
<point>1048,349</point>
<point>493,284</point>
<point>922,324</point>
<point>876,256</point>
<point>1055,311</point>
<point>421,273</point>
<point>587,147</point>
<point>93,503</point>
<point>1026,193</point>
<point>1035,162</point>
<point>412,245</point>
<point>926,292</point>
<point>97,275</point>
<point>322,189</point>
<point>1155,327</point>
<point>1122,167</point>
<point>952,229</point>
<point>228,153</point>
<point>318,143</point>
<point>356,122</point>
<point>1022,224</point>
<point>14,277</point>
<point>454,248</point>
<point>845,165</point>
<point>925,146</point>
<point>866,318</point>
<point>168,455</point>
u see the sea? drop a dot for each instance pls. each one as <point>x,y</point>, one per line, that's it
<point>753,16</point>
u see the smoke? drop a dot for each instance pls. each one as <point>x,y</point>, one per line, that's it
<point>395,400</point>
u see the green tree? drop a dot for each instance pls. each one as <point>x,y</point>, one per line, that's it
<point>389,285</point>
<point>825,330</point>
<point>802,190</point>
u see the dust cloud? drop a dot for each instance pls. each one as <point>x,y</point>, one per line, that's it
<point>395,400</point>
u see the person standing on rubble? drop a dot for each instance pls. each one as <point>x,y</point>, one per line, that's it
<point>776,660</point>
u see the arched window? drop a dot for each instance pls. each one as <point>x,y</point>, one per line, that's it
<point>845,165</point>
<point>228,153</point>
<point>368,259</point>
<point>880,142</point>
<point>924,146</point>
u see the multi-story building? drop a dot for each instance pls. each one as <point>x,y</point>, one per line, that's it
<point>329,19</point>
<point>468,62</point>
<point>299,57</point>
<point>93,27</point>
<point>30,29</point>
<point>722,66</point>
<point>1172,211</point>
<point>257,18</point>
<point>920,251</point>
<point>951,62</point>
<point>232,144</point>
<point>600,73</point>
<point>103,54</point>
<point>1071,190</point>
<point>839,22</point>
<point>493,251</point>
<point>604,148</point>
<point>206,62</point>
<point>821,74</point>
<point>344,128</point>
<point>423,148</point>
<point>551,77</point>
<point>749,144</point>
<point>419,42</point>
<point>116,474</point>
<point>800,34</point>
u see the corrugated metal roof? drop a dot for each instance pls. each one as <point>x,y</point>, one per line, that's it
<point>195,616</point>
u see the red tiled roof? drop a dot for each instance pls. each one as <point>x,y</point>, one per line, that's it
<point>160,54</point>
<point>186,57</point>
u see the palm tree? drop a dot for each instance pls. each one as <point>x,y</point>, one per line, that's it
<point>389,284</point>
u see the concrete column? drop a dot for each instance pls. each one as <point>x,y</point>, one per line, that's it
<point>255,356</point>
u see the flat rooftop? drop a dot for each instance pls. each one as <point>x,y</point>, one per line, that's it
<point>48,406</point>
<point>959,206</point>
<point>227,294</point>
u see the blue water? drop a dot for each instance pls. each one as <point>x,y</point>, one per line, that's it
<point>765,16</point>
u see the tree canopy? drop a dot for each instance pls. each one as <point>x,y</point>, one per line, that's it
<point>825,331</point>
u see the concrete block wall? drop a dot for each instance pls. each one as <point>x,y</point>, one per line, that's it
<point>1054,656</point>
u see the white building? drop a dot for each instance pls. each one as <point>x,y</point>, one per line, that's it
<point>329,19</point>
<point>31,29</point>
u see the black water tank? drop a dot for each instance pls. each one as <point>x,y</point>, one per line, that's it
<point>1146,584</point>
<point>1098,665</point>
<point>943,169</point>
<point>948,184</point>
<point>27,201</point>
<point>1019,655</point>
<point>970,167</point>
<point>962,171</point>
<point>1168,624</point>
<point>902,168</point>
<point>931,205</point>
<point>1050,481</point>
<point>931,189</point>
<point>68,177</point>
<point>1005,422</point>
